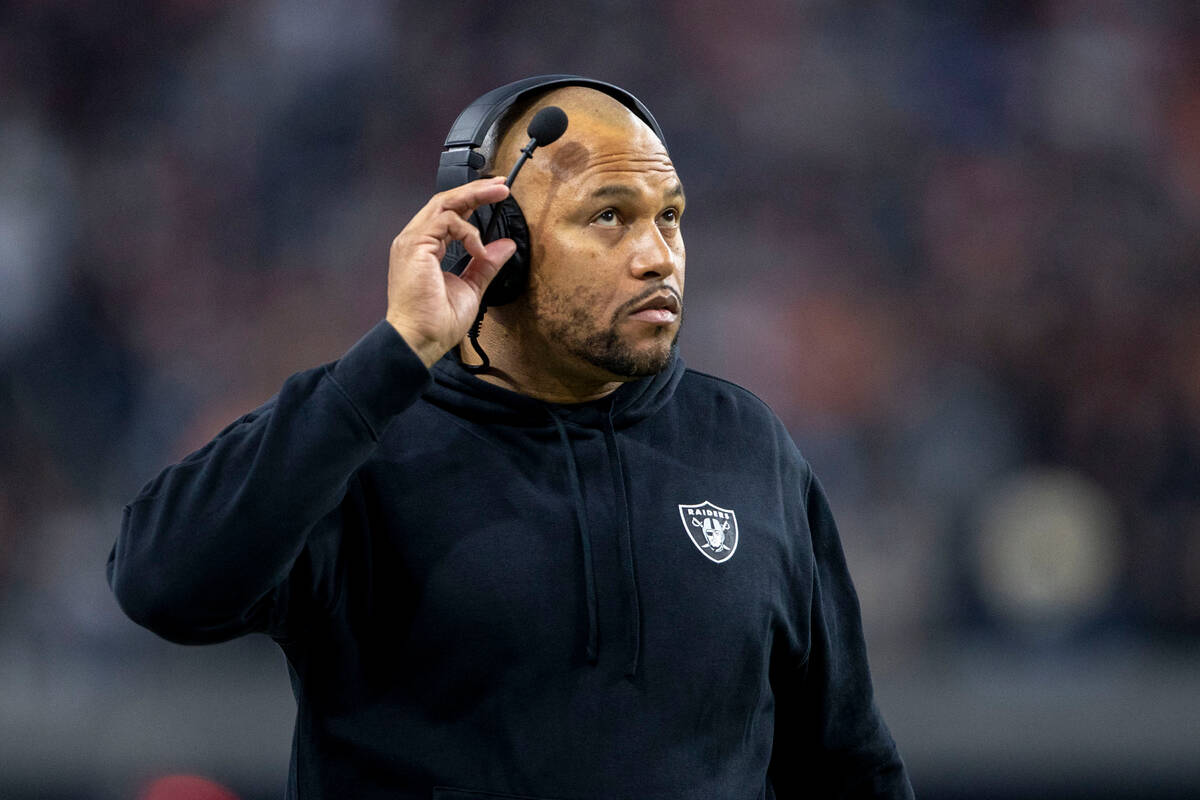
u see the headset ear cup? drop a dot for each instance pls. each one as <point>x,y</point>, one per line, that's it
<point>514,275</point>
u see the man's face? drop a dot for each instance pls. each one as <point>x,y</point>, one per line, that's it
<point>603,205</point>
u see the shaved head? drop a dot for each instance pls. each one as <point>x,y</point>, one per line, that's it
<point>582,104</point>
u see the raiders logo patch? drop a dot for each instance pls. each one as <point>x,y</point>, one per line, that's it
<point>714,530</point>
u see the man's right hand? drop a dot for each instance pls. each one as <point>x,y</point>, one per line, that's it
<point>430,308</point>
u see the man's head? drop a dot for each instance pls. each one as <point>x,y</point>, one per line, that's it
<point>603,206</point>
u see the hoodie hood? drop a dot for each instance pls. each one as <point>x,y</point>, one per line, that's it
<point>457,390</point>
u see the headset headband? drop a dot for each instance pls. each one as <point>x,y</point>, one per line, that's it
<point>460,163</point>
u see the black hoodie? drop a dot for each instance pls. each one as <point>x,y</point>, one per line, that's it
<point>480,594</point>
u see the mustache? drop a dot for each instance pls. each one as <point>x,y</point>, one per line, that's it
<point>629,305</point>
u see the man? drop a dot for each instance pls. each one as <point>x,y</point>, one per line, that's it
<point>586,572</point>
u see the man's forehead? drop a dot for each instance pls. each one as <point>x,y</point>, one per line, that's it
<point>670,187</point>
<point>595,154</point>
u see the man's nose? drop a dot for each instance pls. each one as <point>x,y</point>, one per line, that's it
<point>653,257</point>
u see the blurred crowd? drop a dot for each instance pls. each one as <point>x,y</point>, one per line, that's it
<point>954,245</point>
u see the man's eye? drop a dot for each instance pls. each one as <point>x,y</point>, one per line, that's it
<point>607,217</point>
<point>670,217</point>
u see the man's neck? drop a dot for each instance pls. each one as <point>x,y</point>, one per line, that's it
<point>534,375</point>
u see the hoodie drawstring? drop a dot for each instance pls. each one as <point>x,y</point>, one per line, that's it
<point>585,539</point>
<point>626,545</point>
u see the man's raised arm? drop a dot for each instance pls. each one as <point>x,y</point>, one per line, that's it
<point>206,546</point>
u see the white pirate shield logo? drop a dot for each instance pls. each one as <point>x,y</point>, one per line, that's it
<point>714,530</point>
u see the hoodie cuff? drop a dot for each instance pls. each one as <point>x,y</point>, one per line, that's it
<point>381,376</point>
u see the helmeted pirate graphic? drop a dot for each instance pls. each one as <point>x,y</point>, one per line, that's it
<point>713,531</point>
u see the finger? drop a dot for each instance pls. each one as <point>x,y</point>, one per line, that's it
<point>455,227</point>
<point>484,267</point>
<point>460,201</point>
<point>464,199</point>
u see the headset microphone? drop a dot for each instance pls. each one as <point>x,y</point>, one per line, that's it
<point>545,128</point>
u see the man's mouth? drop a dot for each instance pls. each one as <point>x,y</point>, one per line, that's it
<point>661,308</point>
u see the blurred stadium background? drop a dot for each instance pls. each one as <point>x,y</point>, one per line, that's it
<point>953,244</point>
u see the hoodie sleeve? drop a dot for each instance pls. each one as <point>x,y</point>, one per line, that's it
<point>206,549</point>
<point>830,739</point>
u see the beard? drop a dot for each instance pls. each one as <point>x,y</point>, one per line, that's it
<point>608,351</point>
<point>571,325</point>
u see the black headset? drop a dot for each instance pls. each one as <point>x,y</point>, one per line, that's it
<point>460,164</point>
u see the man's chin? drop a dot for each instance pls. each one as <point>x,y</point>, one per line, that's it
<point>630,363</point>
